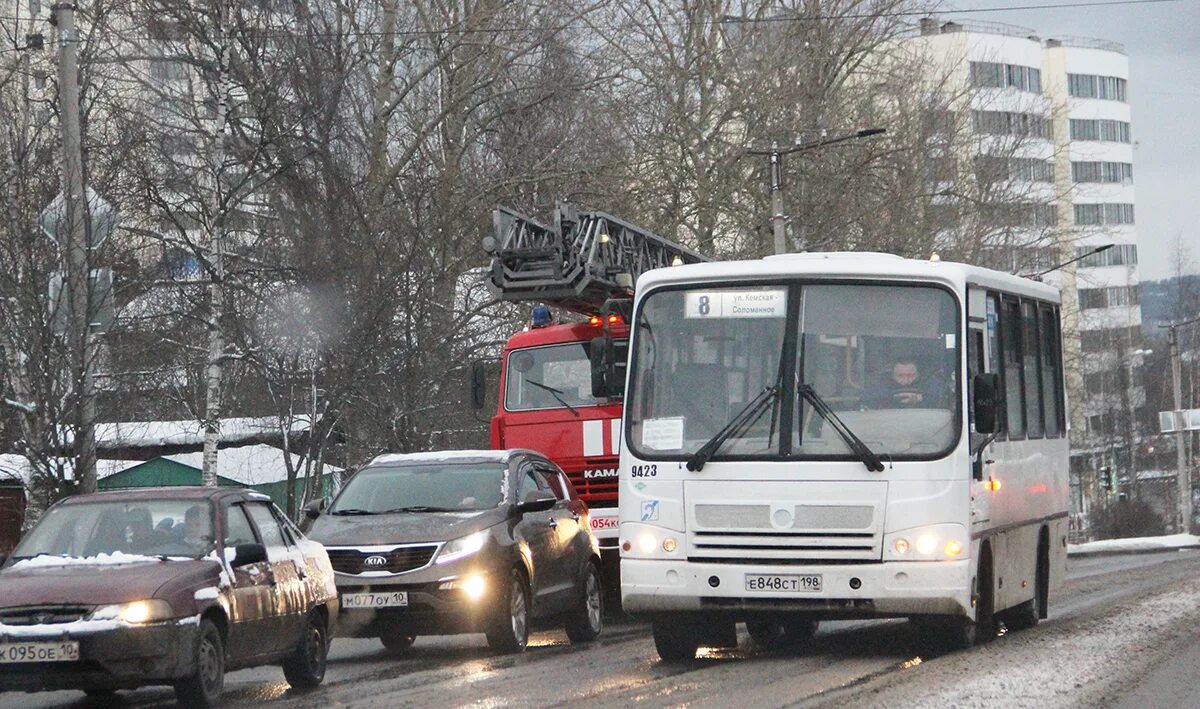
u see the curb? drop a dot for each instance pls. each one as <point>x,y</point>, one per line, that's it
<point>1128,552</point>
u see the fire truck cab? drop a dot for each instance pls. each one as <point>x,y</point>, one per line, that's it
<point>546,404</point>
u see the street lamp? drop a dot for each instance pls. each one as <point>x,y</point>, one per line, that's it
<point>776,154</point>
<point>1184,475</point>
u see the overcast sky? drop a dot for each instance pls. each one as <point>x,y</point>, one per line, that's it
<point>1163,43</point>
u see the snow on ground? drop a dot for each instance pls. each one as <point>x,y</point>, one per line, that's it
<point>1063,664</point>
<point>1134,544</point>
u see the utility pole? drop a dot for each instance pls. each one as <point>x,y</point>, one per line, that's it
<point>1184,475</point>
<point>214,372</point>
<point>77,248</point>
<point>778,220</point>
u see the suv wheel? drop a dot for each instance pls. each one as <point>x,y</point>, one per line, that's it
<point>586,620</point>
<point>204,687</point>
<point>305,667</point>
<point>510,626</point>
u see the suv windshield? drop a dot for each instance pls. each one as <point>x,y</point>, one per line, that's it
<point>882,358</point>
<point>167,527</point>
<point>553,377</point>
<point>423,488</point>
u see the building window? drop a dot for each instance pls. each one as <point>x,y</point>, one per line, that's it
<point>991,169</point>
<point>1118,255</point>
<point>1109,88</point>
<point>1115,172</point>
<point>999,76</point>
<point>1112,297</point>
<point>1100,130</point>
<point>168,70</point>
<point>1010,123</point>
<point>1103,214</point>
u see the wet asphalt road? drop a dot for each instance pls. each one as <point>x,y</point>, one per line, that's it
<point>859,663</point>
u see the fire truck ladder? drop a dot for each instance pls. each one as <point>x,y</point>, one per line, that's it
<point>579,263</point>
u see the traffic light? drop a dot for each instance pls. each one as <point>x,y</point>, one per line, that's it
<point>1107,479</point>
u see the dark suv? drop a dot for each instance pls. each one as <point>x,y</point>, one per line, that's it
<point>461,542</point>
<point>163,586</point>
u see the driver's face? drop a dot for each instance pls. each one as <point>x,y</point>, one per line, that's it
<point>904,373</point>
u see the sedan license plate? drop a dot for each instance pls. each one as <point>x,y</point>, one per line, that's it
<point>58,651</point>
<point>783,582</point>
<point>375,600</point>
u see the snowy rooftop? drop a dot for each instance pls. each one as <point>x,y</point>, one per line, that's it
<point>249,465</point>
<point>146,434</point>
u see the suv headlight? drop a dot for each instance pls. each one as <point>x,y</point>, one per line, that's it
<point>462,547</point>
<point>135,613</point>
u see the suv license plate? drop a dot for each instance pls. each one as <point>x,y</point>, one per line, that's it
<point>65,651</point>
<point>375,600</point>
<point>803,583</point>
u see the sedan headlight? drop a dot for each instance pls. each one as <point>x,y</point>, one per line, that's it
<point>136,613</point>
<point>462,547</point>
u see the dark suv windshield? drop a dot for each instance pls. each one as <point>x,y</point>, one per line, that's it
<point>423,488</point>
<point>174,528</point>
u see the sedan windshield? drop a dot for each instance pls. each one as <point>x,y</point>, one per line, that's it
<point>860,370</point>
<point>159,528</point>
<point>450,487</point>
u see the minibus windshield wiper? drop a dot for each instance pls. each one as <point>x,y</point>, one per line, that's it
<point>856,444</point>
<point>738,425</point>
<point>556,393</point>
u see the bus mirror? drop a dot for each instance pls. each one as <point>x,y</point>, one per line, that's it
<point>478,386</point>
<point>987,403</point>
<point>607,382</point>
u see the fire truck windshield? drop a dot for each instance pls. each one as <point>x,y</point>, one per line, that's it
<point>552,377</point>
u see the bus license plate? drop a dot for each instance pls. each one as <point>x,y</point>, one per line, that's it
<point>375,600</point>
<point>65,651</point>
<point>783,582</point>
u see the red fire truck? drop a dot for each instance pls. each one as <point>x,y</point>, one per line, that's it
<point>585,264</point>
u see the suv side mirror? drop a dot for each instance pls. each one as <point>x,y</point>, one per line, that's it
<point>537,501</point>
<point>314,508</point>
<point>987,403</point>
<point>478,386</point>
<point>246,554</point>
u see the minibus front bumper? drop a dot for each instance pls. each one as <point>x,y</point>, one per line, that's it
<point>884,589</point>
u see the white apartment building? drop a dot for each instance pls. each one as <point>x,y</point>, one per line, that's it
<point>1069,100</point>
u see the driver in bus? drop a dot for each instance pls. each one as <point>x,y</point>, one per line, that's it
<point>905,386</point>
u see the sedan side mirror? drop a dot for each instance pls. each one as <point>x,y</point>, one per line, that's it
<point>246,554</point>
<point>537,501</point>
<point>987,403</point>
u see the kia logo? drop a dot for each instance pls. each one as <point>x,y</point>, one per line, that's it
<point>375,561</point>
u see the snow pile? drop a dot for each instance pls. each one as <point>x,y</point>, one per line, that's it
<point>99,560</point>
<point>1134,545</point>
<point>58,631</point>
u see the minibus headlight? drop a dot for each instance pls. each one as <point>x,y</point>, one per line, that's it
<point>926,544</point>
<point>647,543</point>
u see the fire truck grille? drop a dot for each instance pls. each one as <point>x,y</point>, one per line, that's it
<point>595,491</point>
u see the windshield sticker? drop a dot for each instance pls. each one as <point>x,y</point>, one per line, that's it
<point>665,434</point>
<point>736,304</point>
<point>950,340</point>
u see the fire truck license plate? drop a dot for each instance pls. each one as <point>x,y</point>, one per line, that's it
<point>783,582</point>
<point>374,600</point>
<point>65,651</point>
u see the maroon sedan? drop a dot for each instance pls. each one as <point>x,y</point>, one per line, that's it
<point>163,586</point>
